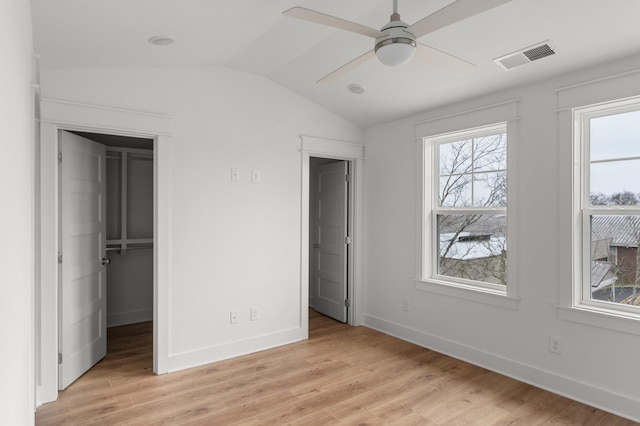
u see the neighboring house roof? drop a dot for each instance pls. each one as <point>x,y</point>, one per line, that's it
<point>624,231</point>
<point>484,237</point>
<point>494,224</point>
<point>471,249</point>
<point>602,274</point>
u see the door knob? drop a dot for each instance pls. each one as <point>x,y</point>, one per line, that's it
<point>106,261</point>
<point>316,245</point>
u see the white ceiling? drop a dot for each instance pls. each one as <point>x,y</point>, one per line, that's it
<point>253,36</point>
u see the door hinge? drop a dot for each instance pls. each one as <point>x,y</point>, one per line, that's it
<point>59,257</point>
<point>347,178</point>
<point>59,359</point>
<point>347,240</point>
<point>59,157</point>
<point>347,303</point>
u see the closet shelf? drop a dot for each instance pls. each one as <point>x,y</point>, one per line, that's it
<point>129,244</point>
<point>120,249</point>
<point>130,241</point>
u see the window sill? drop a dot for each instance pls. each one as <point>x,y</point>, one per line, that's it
<point>603,318</point>
<point>471,293</point>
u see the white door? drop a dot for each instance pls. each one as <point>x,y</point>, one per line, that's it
<point>82,328</point>
<point>330,246</point>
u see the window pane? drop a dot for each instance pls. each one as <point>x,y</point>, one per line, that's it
<point>615,183</point>
<point>490,153</point>
<point>614,258</point>
<point>490,190</point>
<point>455,157</point>
<point>615,136</point>
<point>455,191</point>
<point>473,247</point>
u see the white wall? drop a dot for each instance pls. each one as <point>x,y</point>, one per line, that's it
<point>233,245</point>
<point>598,366</point>
<point>16,226</point>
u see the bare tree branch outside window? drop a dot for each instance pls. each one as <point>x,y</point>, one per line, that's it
<point>473,176</point>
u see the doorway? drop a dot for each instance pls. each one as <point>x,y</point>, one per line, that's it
<point>328,151</point>
<point>110,180</point>
<point>64,115</point>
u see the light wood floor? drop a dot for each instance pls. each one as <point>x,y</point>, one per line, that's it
<point>341,376</point>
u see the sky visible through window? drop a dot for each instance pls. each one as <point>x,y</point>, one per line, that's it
<point>615,137</point>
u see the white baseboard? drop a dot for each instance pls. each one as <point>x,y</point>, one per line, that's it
<point>132,317</point>
<point>233,349</point>
<point>585,393</point>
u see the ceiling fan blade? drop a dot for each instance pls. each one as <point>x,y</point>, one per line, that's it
<point>349,66</point>
<point>443,60</point>
<point>331,21</point>
<point>452,13</point>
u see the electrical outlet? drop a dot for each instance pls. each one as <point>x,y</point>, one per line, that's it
<point>555,344</point>
<point>256,176</point>
<point>405,305</point>
<point>233,317</point>
<point>255,314</point>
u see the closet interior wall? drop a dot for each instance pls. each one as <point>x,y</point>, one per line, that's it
<point>129,205</point>
<point>129,235</point>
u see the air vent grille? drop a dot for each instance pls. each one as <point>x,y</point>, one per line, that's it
<point>539,52</point>
<point>526,55</point>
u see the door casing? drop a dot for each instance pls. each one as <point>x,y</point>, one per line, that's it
<point>62,115</point>
<point>354,153</point>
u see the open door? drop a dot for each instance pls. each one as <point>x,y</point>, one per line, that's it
<point>82,257</point>
<point>330,245</point>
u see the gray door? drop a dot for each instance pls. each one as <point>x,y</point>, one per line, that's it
<point>330,245</point>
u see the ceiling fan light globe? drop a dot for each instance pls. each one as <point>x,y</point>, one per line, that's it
<point>396,52</point>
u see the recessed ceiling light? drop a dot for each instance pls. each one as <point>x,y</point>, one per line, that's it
<point>161,40</point>
<point>358,89</point>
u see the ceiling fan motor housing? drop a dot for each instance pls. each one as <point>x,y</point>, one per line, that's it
<point>396,45</point>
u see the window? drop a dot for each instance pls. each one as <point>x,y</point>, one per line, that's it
<point>608,139</point>
<point>466,209</point>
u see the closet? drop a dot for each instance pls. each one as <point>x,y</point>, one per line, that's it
<point>129,205</point>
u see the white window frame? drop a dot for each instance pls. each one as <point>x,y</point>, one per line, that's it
<point>429,280</point>
<point>582,249</point>
<point>435,144</point>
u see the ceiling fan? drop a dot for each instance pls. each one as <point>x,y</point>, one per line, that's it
<point>395,43</point>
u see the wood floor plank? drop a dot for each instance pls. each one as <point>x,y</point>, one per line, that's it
<point>341,376</point>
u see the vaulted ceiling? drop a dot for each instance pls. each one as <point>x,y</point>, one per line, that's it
<point>253,36</point>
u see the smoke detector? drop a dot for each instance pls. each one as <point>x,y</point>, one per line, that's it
<point>526,55</point>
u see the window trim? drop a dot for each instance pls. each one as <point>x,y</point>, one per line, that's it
<point>491,294</point>
<point>617,87</point>
<point>435,143</point>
